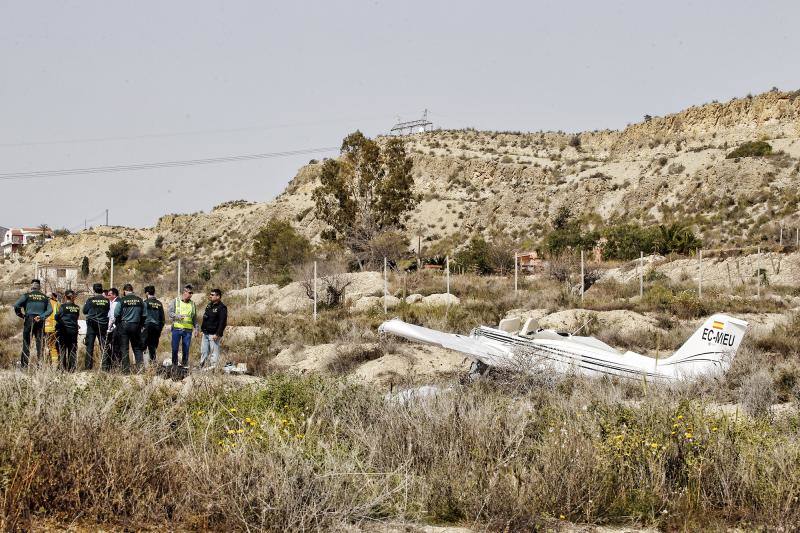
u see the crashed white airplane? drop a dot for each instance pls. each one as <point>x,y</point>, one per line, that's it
<point>710,349</point>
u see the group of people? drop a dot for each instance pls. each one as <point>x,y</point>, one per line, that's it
<point>119,325</point>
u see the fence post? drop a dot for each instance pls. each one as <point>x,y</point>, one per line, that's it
<point>641,274</point>
<point>447,268</point>
<point>111,280</point>
<point>780,242</point>
<point>315,291</point>
<point>247,285</point>
<point>758,273</point>
<point>516,270</point>
<point>582,276</point>
<point>700,274</point>
<point>179,278</point>
<point>385,287</point>
<point>796,237</point>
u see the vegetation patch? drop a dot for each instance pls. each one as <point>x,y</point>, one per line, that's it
<point>751,149</point>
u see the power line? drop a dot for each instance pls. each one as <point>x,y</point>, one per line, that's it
<point>189,133</point>
<point>162,164</point>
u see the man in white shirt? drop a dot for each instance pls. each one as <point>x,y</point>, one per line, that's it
<point>111,354</point>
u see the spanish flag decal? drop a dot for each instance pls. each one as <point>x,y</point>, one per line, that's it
<point>718,325</point>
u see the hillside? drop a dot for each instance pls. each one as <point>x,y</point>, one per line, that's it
<point>666,168</point>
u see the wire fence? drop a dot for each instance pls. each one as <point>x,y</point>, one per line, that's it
<point>740,270</point>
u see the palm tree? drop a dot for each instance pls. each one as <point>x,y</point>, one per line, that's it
<point>676,238</point>
<point>43,229</point>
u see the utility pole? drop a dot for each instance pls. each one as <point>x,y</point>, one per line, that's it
<point>111,284</point>
<point>247,285</point>
<point>106,217</point>
<point>179,278</point>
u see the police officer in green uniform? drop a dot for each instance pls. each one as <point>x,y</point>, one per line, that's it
<point>34,307</point>
<point>153,322</point>
<point>67,328</point>
<point>96,312</point>
<point>128,319</point>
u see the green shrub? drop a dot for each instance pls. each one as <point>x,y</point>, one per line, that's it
<point>626,241</point>
<point>686,304</point>
<point>658,297</point>
<point>751,149</point>
<point>119,252</point>
<point>484,257</point>
<point>278,247</point>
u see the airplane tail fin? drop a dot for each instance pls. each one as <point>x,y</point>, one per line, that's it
<point>712,347</point>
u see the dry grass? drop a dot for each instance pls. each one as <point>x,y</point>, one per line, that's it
<point>10,325</point>
<point>322,453</point>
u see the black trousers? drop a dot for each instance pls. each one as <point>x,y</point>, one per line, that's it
<point>111,351</point>
<point>130,334</point>
<point>95,331</point>
<point>151,335</point>
<point>68,344</point>
<point>31,328</point>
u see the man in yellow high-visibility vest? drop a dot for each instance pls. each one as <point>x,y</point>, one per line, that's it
<point>183,313</point>
<point>50,333</point>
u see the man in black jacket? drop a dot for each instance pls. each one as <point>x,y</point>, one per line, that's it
<point>96,312</point>
<point>215,319</point>
<point>67,329</point>
<point>128,321</point>
<point>153,321</point>
<point>33,307</point>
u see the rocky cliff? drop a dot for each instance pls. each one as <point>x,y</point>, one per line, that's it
<point>662,169</point>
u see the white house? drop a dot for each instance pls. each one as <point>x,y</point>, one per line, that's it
<point>14,239</point>
<point>58,276</point>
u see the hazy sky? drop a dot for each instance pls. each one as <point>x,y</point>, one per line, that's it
<point>88,84</point>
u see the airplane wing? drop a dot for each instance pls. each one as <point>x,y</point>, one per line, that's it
<point>470,346</point>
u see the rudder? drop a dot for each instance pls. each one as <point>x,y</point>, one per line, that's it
<point>711,347</point>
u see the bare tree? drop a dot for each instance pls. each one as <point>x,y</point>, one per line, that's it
<point>332,282</point>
